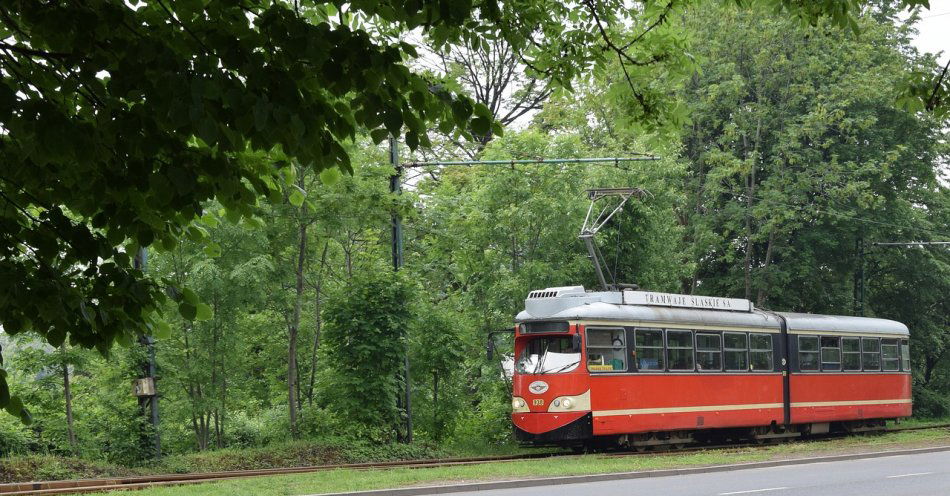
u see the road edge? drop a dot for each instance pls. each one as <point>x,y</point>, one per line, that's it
<point>580,479</point>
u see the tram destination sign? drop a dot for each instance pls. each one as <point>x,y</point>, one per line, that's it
<point>686,301</point>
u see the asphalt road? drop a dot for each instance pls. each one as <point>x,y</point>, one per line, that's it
<point>905,475</point>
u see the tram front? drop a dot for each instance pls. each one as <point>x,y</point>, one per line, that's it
<point>550,388</point>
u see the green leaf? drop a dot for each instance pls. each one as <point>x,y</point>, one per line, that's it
<point>296,196</point>
<point>289,172</point>
<point>481,125</point>
<point>330,176</point>
<point>393,120</point>
<point>25,416</point>
<point>204,312</point>
<point>189,296</point>
<point>162,330</point>
<point>187,310</point>
<point>379,135</point>
<point>481,110</point>
<point>4,391</point>
<point>209,220</point>
<point>14,406</point>
<point>212,249</point>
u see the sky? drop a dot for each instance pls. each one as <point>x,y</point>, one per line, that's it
<point>934,29</point>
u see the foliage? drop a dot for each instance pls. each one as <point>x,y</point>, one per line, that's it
<point>793,152</point>
<point>88,112</point>
<point>15,438</point>
<point>180,99</point>
<point>365,340</point>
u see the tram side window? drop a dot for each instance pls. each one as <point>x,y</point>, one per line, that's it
<point>890,351</point>
<point>830,353</point>
<point>736,351</point>
<point>606,350</point>
<point>679,347</point>
<point>871,348</point>
<point>905,355</point>
<point>851,353</point>
<point>708,352</point>
<point>649,349</point>
<point>760,351</point>
<point>808,352</point>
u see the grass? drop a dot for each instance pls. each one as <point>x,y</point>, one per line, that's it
<point>293,454</point>
<point>351,480</point>
<point>915,422</point>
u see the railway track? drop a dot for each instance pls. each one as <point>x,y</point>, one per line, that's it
<point>77,486</point>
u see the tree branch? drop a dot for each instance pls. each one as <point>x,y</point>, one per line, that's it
<point>932,101</point>
<point>33,52</point>
<point>659,20</point>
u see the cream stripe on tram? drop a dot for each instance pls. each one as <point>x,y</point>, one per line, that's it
<point>686,409</point>
<point>747,406</point>
<point>850,403</point>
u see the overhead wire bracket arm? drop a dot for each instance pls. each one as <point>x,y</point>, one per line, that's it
<point>593,224</point>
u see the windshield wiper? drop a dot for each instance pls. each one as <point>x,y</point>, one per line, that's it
<point>559,369</point>
<point>544,354</point>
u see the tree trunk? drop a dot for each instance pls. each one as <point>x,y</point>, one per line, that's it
<point>697,209</point>
<point>292,386</point>
<point>750,192</point>
<point>766,286</point>
<point>217,429</point>
<point>68,395</point>
<point>197,429</point>
<point>318,300</point>
<point>224,411</point>
<point>747,264</point>
<point>435,407</point>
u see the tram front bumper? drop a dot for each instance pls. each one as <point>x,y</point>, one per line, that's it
<point>553,428</point>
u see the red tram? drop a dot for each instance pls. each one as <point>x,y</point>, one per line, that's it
<point>636,368</point>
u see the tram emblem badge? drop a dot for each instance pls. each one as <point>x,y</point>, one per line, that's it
<point>538,387</point>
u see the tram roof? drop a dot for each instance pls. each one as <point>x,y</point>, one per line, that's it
<point>841,323</point>
<point>574,303</point>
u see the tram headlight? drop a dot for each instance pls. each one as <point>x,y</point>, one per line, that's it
<point>575,403</point>
<point>517,403</point>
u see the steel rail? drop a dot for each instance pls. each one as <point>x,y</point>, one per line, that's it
<point>76,486</point>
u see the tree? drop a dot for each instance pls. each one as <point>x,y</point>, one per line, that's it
<point>794,144</point>
<point>495,77</point>
<point>118,136</point>
<point>365,337</point>
<point>110,155</point>
<point>438,353</point>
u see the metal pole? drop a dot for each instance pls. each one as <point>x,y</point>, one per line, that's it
<point>141,263</point>
<point>859,280</point>
<point>592,253</point>
<point>396,188</point>
<point>914,243</point>
<point>616,160</point>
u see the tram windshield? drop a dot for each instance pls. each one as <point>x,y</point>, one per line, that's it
<point>549,355</point>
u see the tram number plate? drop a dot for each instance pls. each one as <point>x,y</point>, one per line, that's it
<point>538,402</point>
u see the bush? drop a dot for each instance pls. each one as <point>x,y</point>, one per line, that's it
<point>365,339</point>
<point>930,404</point>
<point>244,431</point>
<point>295,454</point>
<point>49,467</point>
<point>486,429</point>
<point>15,439</point>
